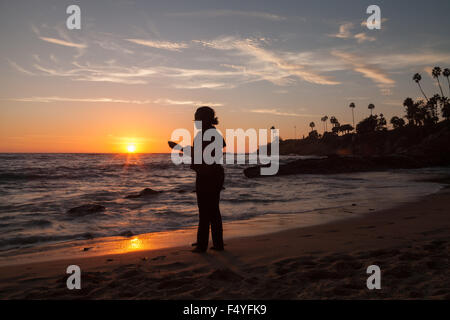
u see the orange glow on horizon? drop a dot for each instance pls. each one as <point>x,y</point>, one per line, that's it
<point>46,128</point>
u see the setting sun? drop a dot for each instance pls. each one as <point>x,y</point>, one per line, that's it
<point>131,148</point>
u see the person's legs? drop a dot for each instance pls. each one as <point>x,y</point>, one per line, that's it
<point>216,218</point>
<point>216,222</point>
<point>203,222</point>
<point>208,197</point>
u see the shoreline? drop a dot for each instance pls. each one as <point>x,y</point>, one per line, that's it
<point>410,243</point>
<point>235,229</point>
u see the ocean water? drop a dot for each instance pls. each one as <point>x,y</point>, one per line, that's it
<point>37,190</point>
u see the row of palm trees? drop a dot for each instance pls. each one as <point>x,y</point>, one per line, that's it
<point>335,122</point>
<point>337,127</point>
<point>396,121</point>
<point>420,113</point>
<point>416,112</point>
<point>436,73</point>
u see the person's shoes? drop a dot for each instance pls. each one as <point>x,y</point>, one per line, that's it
<point>217,248</point>
<point>198,250</point>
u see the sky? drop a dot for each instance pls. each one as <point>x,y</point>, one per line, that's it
<point>137,70</point>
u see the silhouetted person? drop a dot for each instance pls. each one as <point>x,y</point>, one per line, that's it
<point>209,183</point>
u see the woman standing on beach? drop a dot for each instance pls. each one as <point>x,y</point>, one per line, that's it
<point>209,182</point>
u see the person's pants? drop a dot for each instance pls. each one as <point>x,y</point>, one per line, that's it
<point>208,197</point>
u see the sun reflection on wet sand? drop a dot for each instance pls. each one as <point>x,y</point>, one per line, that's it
<point>135,244</point>
<point>148,241</point>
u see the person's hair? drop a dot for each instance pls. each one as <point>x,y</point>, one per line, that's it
<point>207,115</point>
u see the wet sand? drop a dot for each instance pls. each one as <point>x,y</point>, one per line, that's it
<point>410,243</point>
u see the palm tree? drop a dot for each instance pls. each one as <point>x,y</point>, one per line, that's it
<point>352,106</point>
<point>432,109</point>
<point>334,121</point>
<point>411,111</point>
<point>397,122</point>
<point>371,107</point>
<point>346,128</point>
<point>446,74</point>
<point>325,126</point>
<point>336,124</point>
<point>382,122</point>
<point>436,72</point>
<point>417,77</point>
<point>312,125</point>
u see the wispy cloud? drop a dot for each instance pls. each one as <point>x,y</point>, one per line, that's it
<point>19,68</point>
<point>265,64</point>
<point>251,60</point>
<point>187,103</point>
<point>276,112</point>
<point>161,101</point>
<point>166,45</point>
<point>362,37</point>
<point>227,13</point>
<point>254,63</point>
<point>345,33</point>
<point>111,45</point>
<point>419,58</point>
<point>369,71</point>
<point>205,85</point>
<point>364,23</point>
<point>64,43</point>
<point>192,73</point>
<point>112,71</point>
<point>66,99</point>
<point>100,73</point>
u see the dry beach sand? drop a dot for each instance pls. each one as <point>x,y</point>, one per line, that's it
<point>410,244</point>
